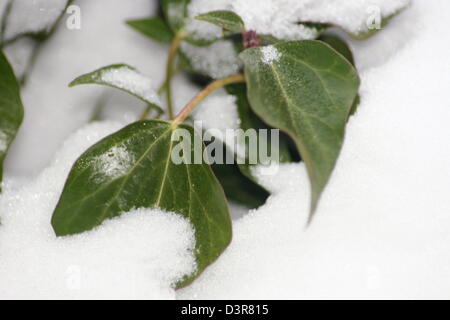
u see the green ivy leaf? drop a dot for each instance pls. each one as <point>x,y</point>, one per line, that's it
<point>153,28</point>
<point>175,12</point>
<point>125,78</point>
<point>306,89</point>
<point>228,20</point>
<point>11,108</point>
<point>133,168</point>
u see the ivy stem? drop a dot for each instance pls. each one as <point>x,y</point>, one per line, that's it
<point>204,93</point>
<point>170,72</point>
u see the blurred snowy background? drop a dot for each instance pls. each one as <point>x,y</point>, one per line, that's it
<point>382,229</point>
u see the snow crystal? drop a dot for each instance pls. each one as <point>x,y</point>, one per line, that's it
<point>139,255</point>
<point>218,60</point>
<point>32,16</point>
<point>382,227</point>
<point>114,164</point>
<point>132,81</point>
<point>270,54</point>
<point>280,17</point>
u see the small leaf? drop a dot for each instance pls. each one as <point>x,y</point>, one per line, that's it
<point>228,20</point>
<point>175,12</point>
<point>306,89</point>
<point>11,108</point>
<point>153,28</point>
<point>125,78</point>
<point>133,168</point>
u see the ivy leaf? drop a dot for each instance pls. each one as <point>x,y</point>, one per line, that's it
<point>133,168</point>
<point>175,12</point>
<point>153,28</point>
<point>307,89</point>
<point>228,20</point>
<point>340,46</point>
<point>125,78</point>
<point>11,108</point>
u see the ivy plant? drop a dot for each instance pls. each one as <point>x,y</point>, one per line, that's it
<point>307,89</point>
<point>11,108</point>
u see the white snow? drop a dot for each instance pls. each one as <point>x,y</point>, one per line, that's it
<point>218,60</point>
<point>270,54</point>
<point>132,81</point>
<point>218,113</point>
<point>139,255</point>
<point>32,16</point>
<point>114,164</point>
<point>382,227</point>
<point>280,17</point>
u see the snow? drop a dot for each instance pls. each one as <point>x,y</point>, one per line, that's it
<point>218,60</point>
<point>381,230</point>
<point>210,115</point>
<point>210,111</point>
<point>280,18</point>
<point>139,255</point>
<point>32,16</point>
<point>270,54</point>
<point>114,164</point>
<point>132,81</point>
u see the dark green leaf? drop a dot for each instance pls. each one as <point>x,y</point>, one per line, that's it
<point>11,108</point>
<point>133,168</point>
<point>125,78</point>
<point>154,28</point>
<point>340,46</point>
<point>307,89</point>
<point>226,19</point>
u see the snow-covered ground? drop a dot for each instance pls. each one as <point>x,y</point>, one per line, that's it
<point>382,228</point>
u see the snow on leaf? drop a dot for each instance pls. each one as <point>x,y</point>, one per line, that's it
<point>125,78</point>
<point>270,54</point>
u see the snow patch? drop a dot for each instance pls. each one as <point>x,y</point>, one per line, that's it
<point>218,60</point>
<point>32,16</point>
<point>132,81</point>
<point>219,112</point>
<point>280,18</point>
<point>270,54</point>
<point>139,255</point>
<point>114,164</point>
